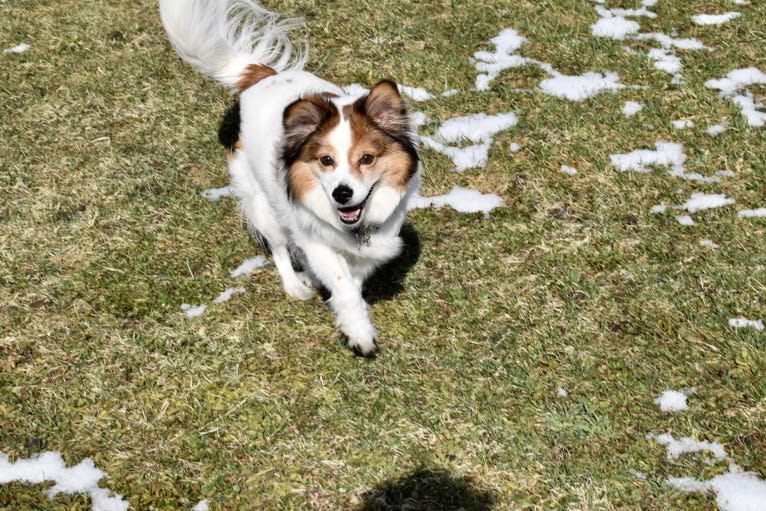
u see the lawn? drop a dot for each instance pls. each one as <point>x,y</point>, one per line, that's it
<point>521,350</point>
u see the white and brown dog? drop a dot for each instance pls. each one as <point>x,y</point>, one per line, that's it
<point>323,176</point>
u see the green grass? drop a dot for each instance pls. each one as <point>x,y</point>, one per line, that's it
<point>107,141</point>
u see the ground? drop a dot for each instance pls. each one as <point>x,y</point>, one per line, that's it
<point>521,352</point>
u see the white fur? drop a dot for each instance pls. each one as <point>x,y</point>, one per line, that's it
<point>221,38</point>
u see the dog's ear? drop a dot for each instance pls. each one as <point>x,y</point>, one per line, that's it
<point>301,119</point>
<point>385,106</point>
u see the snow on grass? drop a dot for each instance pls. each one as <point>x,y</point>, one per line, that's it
<point>193,311</point>
<point>514,147</point>
<point>685,220</point>
<point>213,194</point>
<point>50,467</point>
<point>735,490</point>
<point>734,86</point>
<point>570,171</point>
<point>460,199</point>
<point>666,154</point>
<point>687,445</point>
<point>202,505</point>
<point>631,108</point>
<point>248,266</point>
<point>751,213</point>
<point>614,27</point>
<point>416,93</point>
<point>476,128</point>
<point>672,401</point>
<point>227,295</point>
<point>19,48</point>
<point>714,19</point>
<point>562,393</point>
<point>700,201</point>
<point>573,88</point>
<point>746,323</point>
<point>715,129</point>
<point>709,243</point>
<point>682,124</point>
<point>580,88</point>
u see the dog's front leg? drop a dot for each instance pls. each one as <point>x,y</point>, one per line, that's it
<point>333,271</point>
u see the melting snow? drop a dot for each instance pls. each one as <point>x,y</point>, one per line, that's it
<point>676,448</point>
<point>614,27</point>
<point>672,401</point>
<point>248,266</point>
<point>735,490</point>
<point>746,323</point>
<point>227,295</point>
<point>631,108</point>
<point>714,19</point>
<point>460,199</point>
<point>715,129</point>
<point>682,124</point>
<point>416,93</point>
<point>685,220</point>
<point>701,201</point>
<point>570,171</point>
<point>733,86</point>
<point>749,213</point>
<point>579,88</point>
<point>665,154</point>
<point>562,393</point>
<point>202,505</point>
<point>50,467</point>
<point>193,311</point>
<point>709,243</point>
<point>19,48</point>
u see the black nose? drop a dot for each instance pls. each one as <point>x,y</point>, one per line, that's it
<point>342,194</point>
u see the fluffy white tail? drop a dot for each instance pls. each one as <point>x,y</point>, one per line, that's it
<point>221,38</point>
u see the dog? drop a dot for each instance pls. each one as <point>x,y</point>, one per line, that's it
<point>321,175</point>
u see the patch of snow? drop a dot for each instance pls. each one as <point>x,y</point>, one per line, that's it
<point>700,201</point>
<point>19,48</point>
<point>638,474</point>
<point>418,119</point>
<point>490,65</point>
<point>660,208</point>
<point>248,266</point>
<point>579,88</point>
<point>672,401</point>
<point>746,323</point>
<point>665,60</point>
<point>669,42</point>
<point>193,311</point>
<point>666,154</point>
<point>740,2</point>
<point>733,86</point>
<point>202,505</point>
<point>460,199</point>
<point>686,445</point>
<point>213,194</point>
<point>709,243</point>
<point>750,213</point>
<point>226,295</point>
<point>715,129</point>
<point>714,19</point>
<point>464,158</point>
<point>514,147</point>
<point>562,393</point>
<point>570,171</point>
<point>725,173</point>
<point>685,220</point>
<point>735,490</point>
<point>476,128</point>
<point>50,467</point>
<point>631,108</point>
<point>614,27</point>
<point>416,93</point>
<point>682,124</point>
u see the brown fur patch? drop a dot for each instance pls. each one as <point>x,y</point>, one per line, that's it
<point>253,74</point>
<point>300,180</point>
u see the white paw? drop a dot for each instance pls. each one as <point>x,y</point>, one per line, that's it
<point>300,288</point>
<point>362,339</point>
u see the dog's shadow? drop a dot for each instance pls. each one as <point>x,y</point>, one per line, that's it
<point>428,490</point>
<point>388,280</point>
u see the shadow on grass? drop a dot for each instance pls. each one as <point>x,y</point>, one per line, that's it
<point>387,281</point>
<point>427,490</point>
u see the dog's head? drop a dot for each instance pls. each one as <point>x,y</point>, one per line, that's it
<point>349,163</point>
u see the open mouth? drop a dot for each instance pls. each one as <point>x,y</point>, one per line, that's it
<point>352,214</point>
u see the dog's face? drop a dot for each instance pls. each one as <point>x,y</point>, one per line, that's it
<point>351,164</point>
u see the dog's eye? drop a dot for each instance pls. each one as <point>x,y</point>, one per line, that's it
<point>327,161</point>
<point>367,159</point>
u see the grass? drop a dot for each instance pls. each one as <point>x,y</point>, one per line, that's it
<point>108,140</point>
